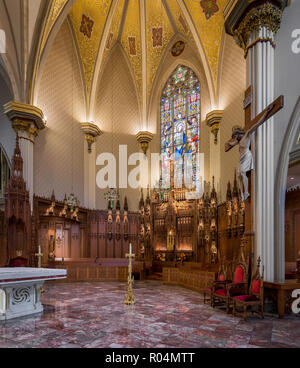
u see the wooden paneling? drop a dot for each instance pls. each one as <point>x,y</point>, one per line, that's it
<point>194,280</point>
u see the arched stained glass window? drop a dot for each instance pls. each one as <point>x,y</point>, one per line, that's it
<point>180,126</point>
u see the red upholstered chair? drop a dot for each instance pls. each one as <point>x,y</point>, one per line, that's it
<point>255,298</point>
<point>218,283</point>
<point>18,262</point>
<point>238,286</point>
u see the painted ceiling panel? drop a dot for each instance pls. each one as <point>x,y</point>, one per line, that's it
<point>131,41</point>
<point>179,19</point>
<point>207,16</point>
<point>159,34</point>
<point>88,18</point>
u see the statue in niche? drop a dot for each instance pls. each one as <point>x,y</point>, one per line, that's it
<point>171,241</point>
<point>51,254</point>
<point>109,222</point>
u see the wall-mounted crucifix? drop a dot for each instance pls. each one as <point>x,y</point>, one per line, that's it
<point>242,137</point>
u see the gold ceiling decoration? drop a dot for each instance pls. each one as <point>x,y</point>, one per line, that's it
<point>164,19</point>
<point>97,12</point>
<point>131,41</point>
<point>159,34</point>
<point>209,30</point>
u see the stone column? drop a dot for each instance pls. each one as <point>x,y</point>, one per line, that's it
<point>254,25</point>
<point>27,121</point>
<point>91,132</point>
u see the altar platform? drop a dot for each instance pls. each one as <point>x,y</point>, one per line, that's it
<point>20,290</point>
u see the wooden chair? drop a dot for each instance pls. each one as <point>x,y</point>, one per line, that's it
<point>237,286</point>
<point>220,280</point>
<point>255,298</point>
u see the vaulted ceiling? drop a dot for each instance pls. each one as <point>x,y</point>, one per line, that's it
<point>145,29</point>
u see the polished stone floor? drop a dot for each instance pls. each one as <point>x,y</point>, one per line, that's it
<point>93,316</point>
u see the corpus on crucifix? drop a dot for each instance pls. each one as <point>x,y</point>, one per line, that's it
<point>242,137</point>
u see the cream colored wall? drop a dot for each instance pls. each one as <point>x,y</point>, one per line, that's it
<point>232,90</point>
<point>118,115</point>
<point>190,59</point>
<point>7,134</point>
<point>58,152</point>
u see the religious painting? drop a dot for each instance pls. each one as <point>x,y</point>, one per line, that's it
<point>157,36</point>
<point>210,7</point>
<point>109,40</point>
<point>86,27</point>
<point>178,48</point>
<point>132,46</point>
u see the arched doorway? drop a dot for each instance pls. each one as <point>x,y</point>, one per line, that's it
<point>287,167</point>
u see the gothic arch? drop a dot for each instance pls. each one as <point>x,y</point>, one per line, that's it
<point>293,130</point>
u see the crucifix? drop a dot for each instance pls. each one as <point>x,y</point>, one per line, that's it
<point>129,297</point>
<point>242,137</point>
<point>39,255</point>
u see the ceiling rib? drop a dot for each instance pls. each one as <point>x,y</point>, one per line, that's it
<point>123,20</point>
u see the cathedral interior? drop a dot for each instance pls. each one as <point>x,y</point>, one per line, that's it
<point>153,138</point>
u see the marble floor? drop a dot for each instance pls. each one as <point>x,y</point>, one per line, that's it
<point>93,316</point>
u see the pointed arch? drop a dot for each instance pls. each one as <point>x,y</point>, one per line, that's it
<point>292,132</point>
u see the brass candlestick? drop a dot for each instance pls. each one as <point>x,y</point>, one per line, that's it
<point>129,297</point>
<point>40,255</point>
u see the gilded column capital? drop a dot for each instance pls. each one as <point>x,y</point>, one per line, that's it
<point>144,139</point>
<point>243,18</point>
<point>213,120</point>
<point>91,131</point>
<point>27,120</point>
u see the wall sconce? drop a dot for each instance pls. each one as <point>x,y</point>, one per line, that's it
<point>144,139</point>
<point>91,132</point>
<point>213,120</point>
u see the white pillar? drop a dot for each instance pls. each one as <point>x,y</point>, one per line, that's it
<point>89,177</point>
<point>26,147</point>
<point>261,77</point>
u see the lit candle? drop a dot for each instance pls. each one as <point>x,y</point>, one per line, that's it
<point>40,249</point>
<point>130,248</point>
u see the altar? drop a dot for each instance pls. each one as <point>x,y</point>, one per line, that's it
<point>20,290</point>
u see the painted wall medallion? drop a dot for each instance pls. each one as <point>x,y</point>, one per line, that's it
<point>210,7</point>
<point>87,25</point>
<point>157,36</point>
<point>178,48</point>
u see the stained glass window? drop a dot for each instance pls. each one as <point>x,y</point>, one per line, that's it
<point>180,125</point>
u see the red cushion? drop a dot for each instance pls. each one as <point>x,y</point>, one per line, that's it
<point>239,275</point>
<point>256,287</point>
<point>246,298</point>
<point>221,292</point>
<point>222,277</point>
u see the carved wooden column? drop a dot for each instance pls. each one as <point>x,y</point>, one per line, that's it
<point>27,121</point>
<point>254,25</point>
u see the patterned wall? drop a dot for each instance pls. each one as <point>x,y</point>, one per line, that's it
<point>117,113</point>
<point>59,151</point>
<point>233,86</point>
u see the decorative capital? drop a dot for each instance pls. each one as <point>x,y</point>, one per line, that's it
<point>91,132</point>
<point>144,139</point>
<point>213,120</point>
<point>27,120</point>
<point>243,18</point>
